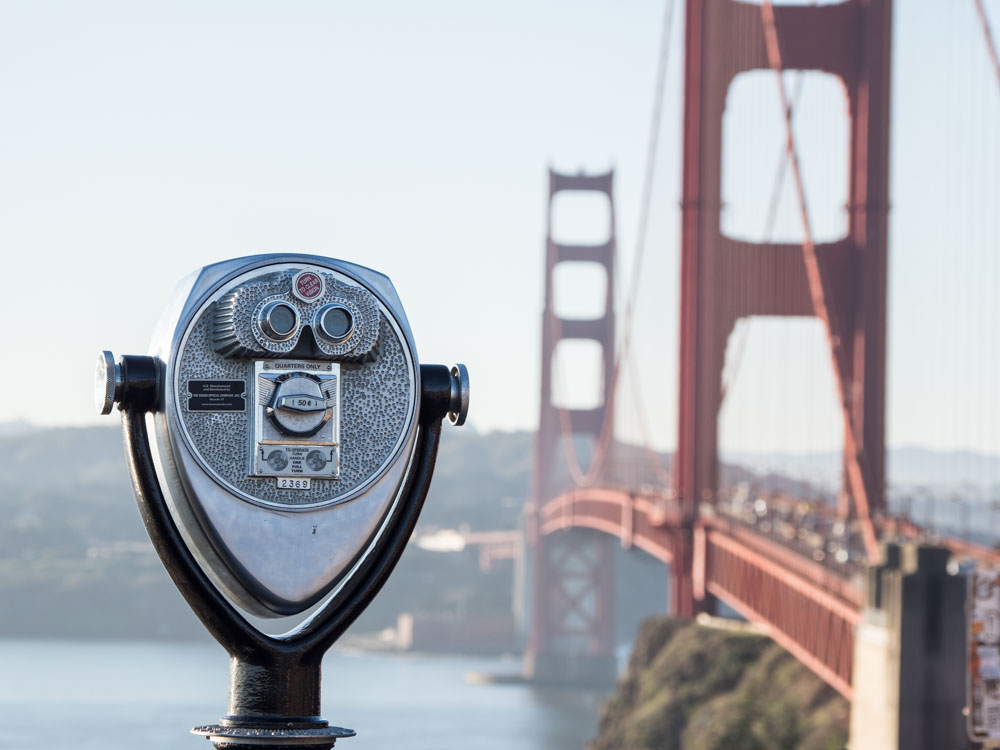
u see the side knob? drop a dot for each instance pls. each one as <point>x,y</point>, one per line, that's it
<point>107,382</point>
<point>133,381</point>
<point>458,406</point>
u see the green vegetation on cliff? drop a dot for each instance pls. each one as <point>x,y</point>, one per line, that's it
<point>692,687</point>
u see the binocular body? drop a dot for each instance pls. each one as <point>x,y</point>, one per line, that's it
<point>280,449</point>
<point>281,437</point>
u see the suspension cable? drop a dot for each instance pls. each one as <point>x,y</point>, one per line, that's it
<point>991,45</point>
<point>855,462</point>
<point>580,477</point>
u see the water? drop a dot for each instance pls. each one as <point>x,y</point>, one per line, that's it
<point>78,695</point>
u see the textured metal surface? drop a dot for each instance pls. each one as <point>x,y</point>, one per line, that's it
<point>236,320</point>
<point>377,400</point>
<point>269,553</point>
<point>308,540</point>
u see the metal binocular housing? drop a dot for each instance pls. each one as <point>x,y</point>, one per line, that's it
<point>281,436</point>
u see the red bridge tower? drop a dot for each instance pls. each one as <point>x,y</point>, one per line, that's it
<point>723,279</point>
<point>572,624</point>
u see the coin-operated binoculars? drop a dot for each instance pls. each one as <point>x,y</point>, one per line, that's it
<point>281,437</point>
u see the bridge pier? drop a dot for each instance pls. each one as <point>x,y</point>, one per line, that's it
<point>910,653</point>
<point>687,596</point>
<point>572,639</point>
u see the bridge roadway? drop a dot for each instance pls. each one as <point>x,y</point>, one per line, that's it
<point>803,587</point>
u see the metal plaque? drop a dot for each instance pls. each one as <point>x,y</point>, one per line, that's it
<point>294,483</point>
<point>217,395</point>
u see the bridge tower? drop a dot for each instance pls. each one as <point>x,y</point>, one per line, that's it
<point>572,624</point>
<point>723,279</point>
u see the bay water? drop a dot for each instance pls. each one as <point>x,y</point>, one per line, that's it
<point>93,695</point>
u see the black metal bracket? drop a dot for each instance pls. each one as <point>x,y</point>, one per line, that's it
<point>274,686</point>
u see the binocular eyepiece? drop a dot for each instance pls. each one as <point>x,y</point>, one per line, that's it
<point>282,435</point>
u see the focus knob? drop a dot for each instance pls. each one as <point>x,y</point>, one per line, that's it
<point>458,406</point>
<point>133,382</point>
<point>107,382</point>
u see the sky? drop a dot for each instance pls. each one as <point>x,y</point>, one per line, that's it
<point>139,141</point>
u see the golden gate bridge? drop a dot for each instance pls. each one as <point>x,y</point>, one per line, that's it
<point>732,544</point>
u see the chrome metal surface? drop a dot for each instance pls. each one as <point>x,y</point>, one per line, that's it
<point>269,320</point>
<point>255,498</point>
<point>107,382</point>
<point>329,330</point>
<point>299,408</point>
<point>276,550</point>
<point>220,734</point>
<point>239,324</point>
<point>296,419</point>
<point>377,402</point>
<point>458,409</point>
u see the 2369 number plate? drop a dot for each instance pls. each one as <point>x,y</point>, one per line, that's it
<point>293,483</point>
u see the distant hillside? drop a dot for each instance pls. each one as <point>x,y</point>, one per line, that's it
<point>75,559</point>
<point>66,491</point>
<point>16,427</point>
<point>956,469</point>
<point>907,467</point>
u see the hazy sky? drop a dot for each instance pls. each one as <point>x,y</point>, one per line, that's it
<point>139,141</point>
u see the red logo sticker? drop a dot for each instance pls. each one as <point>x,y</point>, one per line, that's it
<point>307,286</point>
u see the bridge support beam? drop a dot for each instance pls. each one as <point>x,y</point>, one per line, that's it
<point>573,638</point>
<point>685,600</point>
<point>724,279</point>
<point>909,654</point>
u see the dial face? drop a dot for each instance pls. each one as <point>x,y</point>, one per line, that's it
<point>299,406</point>
<point>313,380</point>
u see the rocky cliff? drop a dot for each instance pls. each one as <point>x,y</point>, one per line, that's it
<point>691,686</point>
